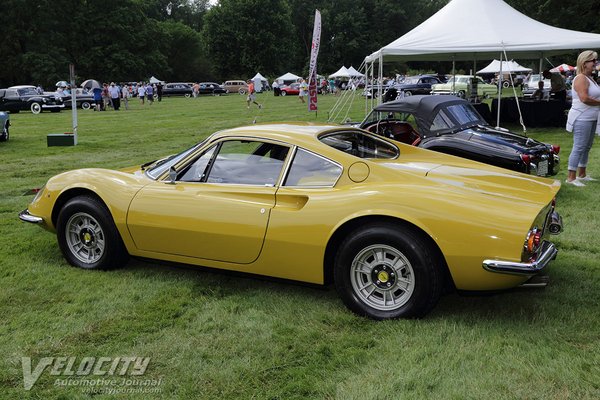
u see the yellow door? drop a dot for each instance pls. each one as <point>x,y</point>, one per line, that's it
<point>220,222</point>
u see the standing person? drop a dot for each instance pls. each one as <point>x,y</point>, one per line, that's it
<point>251,95</point>
<point>303,90</point>
<point>105,96</point>
<point>583,118</point>
<point>558,87</point>
<point>115,96</point>
<point>97,98</point>
<point>125,95</point>
<point>159,91</point>
<point>195,89</point>
<point>142,92</point>
<point>150,93</point>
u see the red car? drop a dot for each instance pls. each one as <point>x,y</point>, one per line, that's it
<point>293,88</point>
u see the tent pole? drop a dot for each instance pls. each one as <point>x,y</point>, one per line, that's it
<point>380,90</point>
<point>453,74</point>
<point>499,83</point>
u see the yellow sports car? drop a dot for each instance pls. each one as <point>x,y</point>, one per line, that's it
<point>391,225</point>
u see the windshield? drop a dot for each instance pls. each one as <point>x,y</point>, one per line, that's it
<point>160,166</point>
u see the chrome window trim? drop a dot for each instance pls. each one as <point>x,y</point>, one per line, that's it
<point>312,186</point>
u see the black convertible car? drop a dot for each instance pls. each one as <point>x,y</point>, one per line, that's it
<point>451,125</point>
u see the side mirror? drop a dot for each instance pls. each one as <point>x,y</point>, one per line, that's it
<point>172,175</point>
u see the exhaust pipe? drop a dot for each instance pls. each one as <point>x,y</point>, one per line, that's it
<point>555,226</point>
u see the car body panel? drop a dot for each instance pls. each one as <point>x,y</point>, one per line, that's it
<point>460,84</point>
<point>466,208</point>
<point>177,89</point>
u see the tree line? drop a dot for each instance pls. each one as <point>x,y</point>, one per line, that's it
<point>193,40</point>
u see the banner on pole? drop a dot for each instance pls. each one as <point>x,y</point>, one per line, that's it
<point>314,52</point>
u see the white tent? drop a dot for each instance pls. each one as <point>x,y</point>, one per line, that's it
<point>154,80</point>
<point>354,73</point>
<point>259,81</point>
<point>289,77</point>
<point>506,66</point>
<point>479,30</point>
<point>341,73</point>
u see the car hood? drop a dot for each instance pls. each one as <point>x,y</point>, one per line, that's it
<point>488,135</point>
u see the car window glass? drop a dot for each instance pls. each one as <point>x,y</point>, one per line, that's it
<point>248,163</point>
<point>308,169</point>
<point>462,113</point>
<point>195,172</point>
<point>360,144</point>
<point>441,121</point>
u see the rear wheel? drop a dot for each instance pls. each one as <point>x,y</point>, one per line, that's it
<point>242,91</point>
<point>36,108</point>
<point>86,105</point>
<point>5,135</point>
<point>87,235</point>
<point>283,93</point>
<point>407,93</point>
<point>461,94</point>
<point>387,271</point>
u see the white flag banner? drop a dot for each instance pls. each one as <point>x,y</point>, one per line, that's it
<point>314,52</point>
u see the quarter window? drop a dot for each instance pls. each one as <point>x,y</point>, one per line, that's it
<point>308,169</point>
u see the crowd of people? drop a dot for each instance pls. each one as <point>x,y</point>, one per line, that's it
<point>111,95</point>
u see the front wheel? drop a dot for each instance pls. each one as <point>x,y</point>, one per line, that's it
<point>242,91</point>
<point>86,105</point>
<point>5,135</point>
<point>87,235</point>
<point>36,108</point>
<point>388,271</point>
<point>283,93</point>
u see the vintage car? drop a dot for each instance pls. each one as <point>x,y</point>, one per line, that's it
<point>211,88</point>
<point>392,225</point>
<point>83,98</point>
<point>451,125</point>
<point>532,84</point>
<point>4,126</point>
<point>291,89</point>
<point>20,98</point>
<point>420,84</point>
<point>460,85</point>
<point>177,89</point>
<point>234,86</point>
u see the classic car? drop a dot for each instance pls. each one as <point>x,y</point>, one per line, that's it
<point>177,89</point>
<point>83,98</point>
<point>4,126</point>
<point>451,125</point>
<point>420,84</point>
<point>292,89</point>
<point>460,85</point>
<point>211,88</point>
<point>531,85</point>
<point>20,98</point>
<point>391,225</point>
<point>238,86</point>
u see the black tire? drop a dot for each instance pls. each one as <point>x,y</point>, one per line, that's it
<point>283,93</point>
<point>407,283</point>
<point>407,93</point>
<point>86,105</point>
<point>35,107</point>
<point>85,222</point>
<point>242,91</point>
<point>461,94</point>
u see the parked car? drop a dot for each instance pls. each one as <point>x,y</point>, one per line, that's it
<point>177,89</point>
<point>84,99</point>
<point>211,88</point>
<point>460,85</point>
<point>451,125</point>
<point>420,84</point>
<point>234,86</point>
<point>392,225</point>
<point>291,89</point>
<point>531,85</point>
<point>20,98</point>
<point>5,125</point>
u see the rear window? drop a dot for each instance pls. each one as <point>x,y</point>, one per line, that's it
<point>360,144</point>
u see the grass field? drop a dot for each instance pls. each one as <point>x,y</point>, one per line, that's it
<point>211,335</point>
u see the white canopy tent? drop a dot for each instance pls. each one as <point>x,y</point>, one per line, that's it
<point>259,81</point>
<point>504,66</point>
<point>479,30</point>
<point>154,80</point>
<point>341,73</point>
<point>289,77</point>
<point>354,73</point>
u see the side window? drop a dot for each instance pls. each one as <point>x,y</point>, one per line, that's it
<point>309,169</point>
<point>196,171</point>
<point>248,163</point>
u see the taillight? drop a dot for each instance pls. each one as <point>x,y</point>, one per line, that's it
<point>533,241</point>
<point>555,149</point>
<point>526,158</point>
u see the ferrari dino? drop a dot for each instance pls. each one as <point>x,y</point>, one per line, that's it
<point>391,225</point>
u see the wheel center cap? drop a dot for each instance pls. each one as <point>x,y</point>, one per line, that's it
<point>383,276</point>
<point>87,237</point>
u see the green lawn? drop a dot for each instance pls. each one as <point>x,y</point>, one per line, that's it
<point>212,335</point>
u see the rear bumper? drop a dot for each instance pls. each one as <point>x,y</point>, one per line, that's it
<point>27,217</point>
<point>547,253</point>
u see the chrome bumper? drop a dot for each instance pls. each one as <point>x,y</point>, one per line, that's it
<point>547,253</point>
<point>25,216</point>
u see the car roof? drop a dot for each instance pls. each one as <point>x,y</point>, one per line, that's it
<point>22,87</point>
<point>426,104</point>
